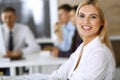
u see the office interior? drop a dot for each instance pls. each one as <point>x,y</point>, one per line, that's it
<point>40,16</point>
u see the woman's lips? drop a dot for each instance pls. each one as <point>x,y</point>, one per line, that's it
<point>86,27</point>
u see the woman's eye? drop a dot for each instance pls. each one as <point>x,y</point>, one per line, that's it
<point>93,17</point>
<point>81,16</point>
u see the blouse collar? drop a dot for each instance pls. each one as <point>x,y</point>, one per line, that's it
<point>92,44</point>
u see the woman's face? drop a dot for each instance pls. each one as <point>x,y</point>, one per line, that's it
<point>88,21</point>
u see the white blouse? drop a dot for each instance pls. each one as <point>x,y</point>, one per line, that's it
<point>97,63</point>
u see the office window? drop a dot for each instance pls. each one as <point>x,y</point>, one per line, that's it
<point>34,13</point>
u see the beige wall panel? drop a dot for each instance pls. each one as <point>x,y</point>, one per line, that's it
<point>71,2</point>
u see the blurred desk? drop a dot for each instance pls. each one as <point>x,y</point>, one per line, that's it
<point>29,77</point>
<point>36,59</point>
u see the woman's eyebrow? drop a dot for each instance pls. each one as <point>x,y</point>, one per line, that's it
<point>80,13</point>
<point>90,14</point>
<point>94,14</point>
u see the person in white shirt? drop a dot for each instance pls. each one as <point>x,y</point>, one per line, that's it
<point>23,39</point>
<point>94,58</point>
<point>18,39</point>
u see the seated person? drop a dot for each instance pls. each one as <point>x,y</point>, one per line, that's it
<point>68,45</point>
<point>76,40</point>
<point>58,32</point>
<point>94,58</point>
<point>18,38</point>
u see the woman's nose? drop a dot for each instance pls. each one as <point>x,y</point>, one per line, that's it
<point>86,20</point>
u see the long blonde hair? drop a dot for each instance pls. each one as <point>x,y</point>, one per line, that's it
<point>103,34</point>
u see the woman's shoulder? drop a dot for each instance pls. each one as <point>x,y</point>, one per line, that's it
<point>101,48</point>
<point>103,53</point>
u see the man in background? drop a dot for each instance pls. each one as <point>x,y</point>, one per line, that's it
<point>76,39</point>
<point>18,38</point>
<point>72,39</point>
<point>64,48</point>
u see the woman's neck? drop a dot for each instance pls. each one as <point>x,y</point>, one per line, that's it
<point>86,40</point>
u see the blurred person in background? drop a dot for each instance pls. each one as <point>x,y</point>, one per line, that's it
<point>18,38</point>
<point>58,29</point>
<point>63,49</point>
<point>76,39</point>
<point>94,59</point>
<point>68,29</point>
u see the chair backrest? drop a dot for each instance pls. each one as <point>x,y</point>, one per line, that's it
<point>116,48</point>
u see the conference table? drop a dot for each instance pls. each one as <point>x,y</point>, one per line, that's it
<point>36,76</point>
<point>43,58</point>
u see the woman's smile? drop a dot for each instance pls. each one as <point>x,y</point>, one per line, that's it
<point>86,28</point>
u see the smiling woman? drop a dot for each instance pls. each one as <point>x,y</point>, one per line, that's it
<point>88,22</point>
<point>94,58</point>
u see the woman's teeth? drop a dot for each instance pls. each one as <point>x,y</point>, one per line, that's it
<point>87,27</point>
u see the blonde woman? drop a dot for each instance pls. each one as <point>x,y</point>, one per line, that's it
<point>94,59</point>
